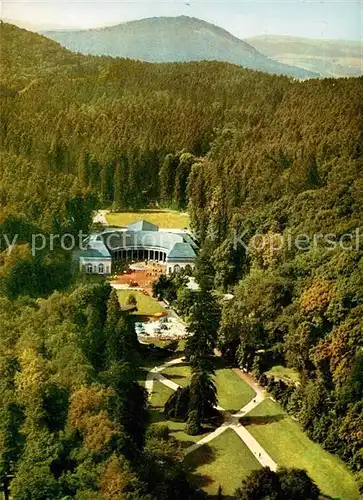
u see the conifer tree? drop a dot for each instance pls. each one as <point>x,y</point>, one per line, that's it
<point>117,187</point>
<point>167,178</point>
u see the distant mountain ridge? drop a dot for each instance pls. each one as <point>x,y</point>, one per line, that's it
<point>330,58</point>
<point>172,39</point>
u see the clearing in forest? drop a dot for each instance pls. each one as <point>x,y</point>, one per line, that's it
<point>167,219</point>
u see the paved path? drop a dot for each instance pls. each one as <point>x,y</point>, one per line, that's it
<point>154,375</point>
<point>247,377</point>
<point>169,383</point>
<point>253,445</point>
<point>217,432</point>
<point>259,397</point>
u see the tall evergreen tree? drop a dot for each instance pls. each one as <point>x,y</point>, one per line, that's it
<point>167,178</point>
<point>203,327</point>
<point>117,187</point>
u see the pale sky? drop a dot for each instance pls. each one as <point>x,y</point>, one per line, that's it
<point>243,18</point>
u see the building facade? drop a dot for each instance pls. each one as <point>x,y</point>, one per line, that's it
<point>141,241</point>
<point>95,258</point>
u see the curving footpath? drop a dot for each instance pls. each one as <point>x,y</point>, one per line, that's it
<point>253,445</point>
<point>154,374</point>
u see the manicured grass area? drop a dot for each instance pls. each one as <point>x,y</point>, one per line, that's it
<point>177,430</point>
<point>233,393</point>
<point>146,305</point>
<point>181,346</point>
<point>156,342</point>
<point>159,342</point>
<point>289,446</point>
<point>224,461</point>
<point>169,219</point>
<point>160,395</point>
<point>149,361</point>
<point>180,374</point>
<point>145,366</point>
<point>284,373</point>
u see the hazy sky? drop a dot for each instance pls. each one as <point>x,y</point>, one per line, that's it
<point>243,18</point>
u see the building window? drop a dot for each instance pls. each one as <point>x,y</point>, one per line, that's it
<point>89,268</point>
<point>101,269</point>
<point>176,268</point>
<point>108,269</point>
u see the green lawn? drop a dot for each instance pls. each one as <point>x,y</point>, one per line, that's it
<point>159,342</point>
<point>224,461</point>
<point>143,370</point>
<point>170,219</point>
<point>146,305</point>
<point>284,373</point>
<point>148,362</point>
<point>233,393</point>
<point>180,374</point>
<point>181,346</point>
<point>159,397</point>
<point>289,446</point>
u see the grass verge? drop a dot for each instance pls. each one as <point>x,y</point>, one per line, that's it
<point>287,444</point>
<point>224,461</point>
<point>284,373</point>
<point>159,397</point>
<point>146,305</point>
<point>180,374</point>
<point>233,392</point>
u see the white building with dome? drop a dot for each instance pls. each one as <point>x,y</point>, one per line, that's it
<point>141,241</point>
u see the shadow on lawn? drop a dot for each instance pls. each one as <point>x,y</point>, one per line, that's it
<point>261,420</point>
<point>230,411</point>
<point>180,365</point>
<point>174,376</point>
<point>184,443</point>
<point>219,363</point>
<point>203,455</point>
<point>156,415</point>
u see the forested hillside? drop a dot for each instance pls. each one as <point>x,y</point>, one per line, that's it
<point>246,153</point>
<point>72,415</point>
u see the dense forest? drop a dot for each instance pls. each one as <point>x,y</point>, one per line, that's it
<point>247,154</point>
<point>72,415</point>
